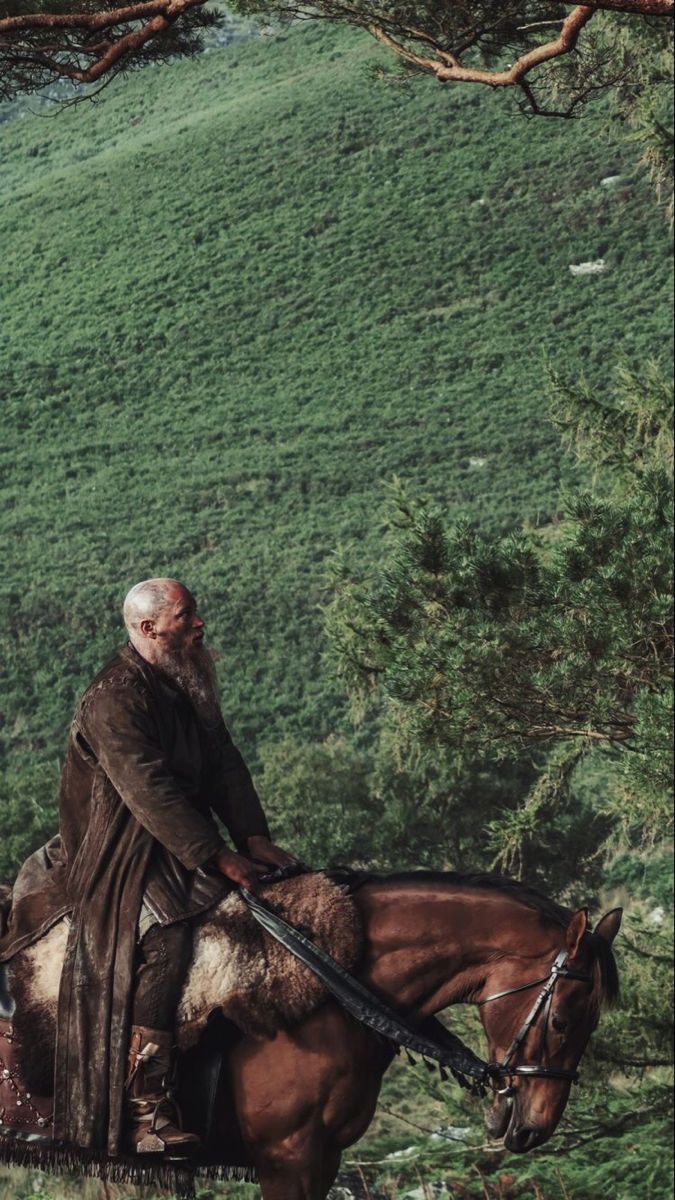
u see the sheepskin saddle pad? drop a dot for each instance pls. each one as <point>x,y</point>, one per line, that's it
<point>237,968</point>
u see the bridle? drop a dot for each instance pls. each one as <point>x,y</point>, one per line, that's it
<point>504,1069</point>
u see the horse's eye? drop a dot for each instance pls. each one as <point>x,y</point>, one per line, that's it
<point>558,1025</point>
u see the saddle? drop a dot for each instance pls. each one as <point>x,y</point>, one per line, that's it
<point>24,1117</point>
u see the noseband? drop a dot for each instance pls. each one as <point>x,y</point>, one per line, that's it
<point>504,1069</point>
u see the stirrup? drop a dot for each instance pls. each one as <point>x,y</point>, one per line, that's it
<point>164,1134</point>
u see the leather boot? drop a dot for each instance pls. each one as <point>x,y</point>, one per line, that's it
<point>153,1118</point>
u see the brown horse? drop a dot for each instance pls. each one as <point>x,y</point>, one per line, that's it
<point>432,940</point>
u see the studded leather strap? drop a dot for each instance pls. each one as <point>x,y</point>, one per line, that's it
<point>22,1115</point>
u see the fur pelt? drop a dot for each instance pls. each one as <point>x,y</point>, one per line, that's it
<point>251,978</point>
<point>236,969</point>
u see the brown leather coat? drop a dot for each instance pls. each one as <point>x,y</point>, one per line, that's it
<point>141,781</point>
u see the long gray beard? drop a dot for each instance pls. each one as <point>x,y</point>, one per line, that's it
<point>194,674</point>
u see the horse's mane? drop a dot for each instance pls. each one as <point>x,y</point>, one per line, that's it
<point>605,975</point>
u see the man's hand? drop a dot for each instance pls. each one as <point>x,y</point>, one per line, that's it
<point>238,869</point>
<point>265,851</point>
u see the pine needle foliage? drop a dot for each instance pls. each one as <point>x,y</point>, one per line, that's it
<point>490,644</point>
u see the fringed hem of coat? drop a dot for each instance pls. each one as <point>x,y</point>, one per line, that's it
<point>176,1178</point>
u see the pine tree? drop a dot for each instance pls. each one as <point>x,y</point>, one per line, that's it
<point>562,636</point>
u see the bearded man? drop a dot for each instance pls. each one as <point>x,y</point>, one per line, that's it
<point>149,762</point>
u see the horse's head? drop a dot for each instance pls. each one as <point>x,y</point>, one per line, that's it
<point>538,1028</point>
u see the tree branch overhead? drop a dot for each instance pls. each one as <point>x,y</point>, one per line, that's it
<point>499,45</point>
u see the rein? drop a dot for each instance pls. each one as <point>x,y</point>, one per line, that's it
<point>470,1071</point>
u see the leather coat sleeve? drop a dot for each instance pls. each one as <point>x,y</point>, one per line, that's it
<point>230,791</point>
<point>120,729</point>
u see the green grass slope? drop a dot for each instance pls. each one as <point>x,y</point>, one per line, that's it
<point>241,292</point>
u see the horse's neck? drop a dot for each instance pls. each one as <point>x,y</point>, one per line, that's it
<point>430,944</point>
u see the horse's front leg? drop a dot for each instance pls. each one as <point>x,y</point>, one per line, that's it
<point>303,1098</point>
<point>298,1172</point>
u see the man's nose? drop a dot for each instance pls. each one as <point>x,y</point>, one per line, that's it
<point>198,623</point>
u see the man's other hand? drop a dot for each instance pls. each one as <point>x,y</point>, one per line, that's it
<point>262,849</point>
<point>239,869</point>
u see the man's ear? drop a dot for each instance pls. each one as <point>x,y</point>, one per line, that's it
<point>609,925</point>
<point>147,628</point>
<point>576,929</point>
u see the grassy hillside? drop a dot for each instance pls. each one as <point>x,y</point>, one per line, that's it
<point>239,294</point>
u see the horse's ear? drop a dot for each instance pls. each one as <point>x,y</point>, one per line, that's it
<point>576,929</point>
<point>609,925</point>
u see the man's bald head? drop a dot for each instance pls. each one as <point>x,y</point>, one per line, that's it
<point>146,601</point>
<point>166,629</point>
